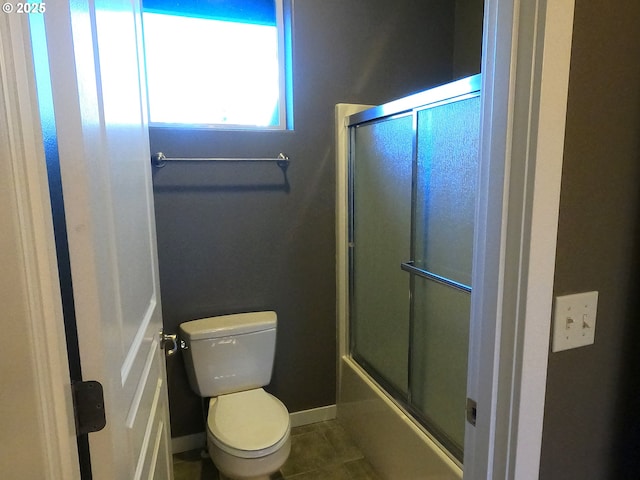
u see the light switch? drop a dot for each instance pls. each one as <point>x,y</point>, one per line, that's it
<point>574,321</point>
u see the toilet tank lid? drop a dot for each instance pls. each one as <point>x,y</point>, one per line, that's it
<point>226,325</point>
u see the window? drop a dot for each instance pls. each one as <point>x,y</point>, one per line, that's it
<point>217,63</point>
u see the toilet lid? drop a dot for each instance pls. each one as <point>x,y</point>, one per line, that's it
<point>248,424</point>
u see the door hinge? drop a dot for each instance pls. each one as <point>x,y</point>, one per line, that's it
<point>472,411</point>
<point>88,403</point>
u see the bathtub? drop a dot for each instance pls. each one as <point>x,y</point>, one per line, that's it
<point>391,441</point>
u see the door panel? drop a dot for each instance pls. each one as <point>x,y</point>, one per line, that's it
<point>447,165</point>
<point>118,79</point>
<point>382,166</point>
<point>439,339</point>
<point>100,111</point>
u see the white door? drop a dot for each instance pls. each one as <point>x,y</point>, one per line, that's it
<point>97,78</point>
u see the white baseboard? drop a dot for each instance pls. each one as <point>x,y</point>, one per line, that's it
<point>297,419</point>
<point>313,415</point>
<point>188,442</point>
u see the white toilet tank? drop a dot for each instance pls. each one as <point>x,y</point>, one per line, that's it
<point>229,353</point>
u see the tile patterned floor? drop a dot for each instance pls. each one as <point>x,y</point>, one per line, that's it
<point>321,451</point>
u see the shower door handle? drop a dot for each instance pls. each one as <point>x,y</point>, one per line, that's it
<point>411,268</point>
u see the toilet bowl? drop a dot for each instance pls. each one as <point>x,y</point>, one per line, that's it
<point>229,359</point>
<point>248,434</point>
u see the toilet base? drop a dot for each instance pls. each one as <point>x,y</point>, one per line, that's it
<point>236,468</point>
<point>224,477</point>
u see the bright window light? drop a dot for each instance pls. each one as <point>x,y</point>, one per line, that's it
<point>208,72</point>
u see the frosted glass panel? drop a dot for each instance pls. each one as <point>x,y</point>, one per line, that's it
<point>445,189</point>
<point>381,170</point>
<point>413,184</point>
<point>440,337</point>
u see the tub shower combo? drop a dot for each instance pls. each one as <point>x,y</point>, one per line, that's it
<point>406,196</point>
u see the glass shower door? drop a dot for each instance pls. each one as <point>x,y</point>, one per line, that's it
<point>412,192</point>
<point>442,244</point>
<point>381,177</point>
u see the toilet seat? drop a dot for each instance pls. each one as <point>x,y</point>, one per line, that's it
<point>248,424</point>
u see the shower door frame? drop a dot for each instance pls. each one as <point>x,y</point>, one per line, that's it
<point>410,106</point>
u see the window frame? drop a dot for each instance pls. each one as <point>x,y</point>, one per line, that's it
<point>283,10</point>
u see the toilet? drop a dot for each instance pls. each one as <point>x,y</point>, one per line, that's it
<point>230,358</point>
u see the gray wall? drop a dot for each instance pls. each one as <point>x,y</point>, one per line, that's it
<point>231,239</point>
<point>592,414</point>
<point>467,41</point>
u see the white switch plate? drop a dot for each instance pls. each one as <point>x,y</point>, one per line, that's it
<point>574,321</point>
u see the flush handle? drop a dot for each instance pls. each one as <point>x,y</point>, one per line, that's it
<point>169,341</point>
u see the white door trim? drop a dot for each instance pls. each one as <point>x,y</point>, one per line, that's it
<point>46,342</point>
<point>526,56</point>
